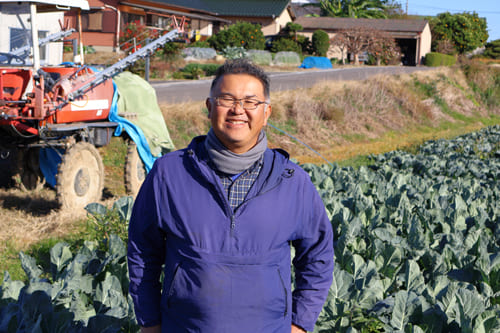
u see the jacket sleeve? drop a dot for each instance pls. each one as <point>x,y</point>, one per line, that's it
<point>146,253</point>
<point>313,261</point>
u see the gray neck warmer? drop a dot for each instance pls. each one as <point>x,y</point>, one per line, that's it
<point>231,163</point>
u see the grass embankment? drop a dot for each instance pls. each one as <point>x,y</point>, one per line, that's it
<point>344,121</point>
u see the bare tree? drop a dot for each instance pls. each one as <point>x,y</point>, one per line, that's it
<point>356,40</point>
<point>361,39</point>
<point>339,40</point>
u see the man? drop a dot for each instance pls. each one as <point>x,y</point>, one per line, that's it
<point>220,216</point>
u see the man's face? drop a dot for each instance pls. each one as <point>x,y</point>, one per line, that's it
<point>238,129</point>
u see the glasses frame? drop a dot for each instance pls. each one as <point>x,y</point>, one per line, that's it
<point>240,102</point>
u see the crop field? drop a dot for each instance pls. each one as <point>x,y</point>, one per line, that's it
<point>417,249</point>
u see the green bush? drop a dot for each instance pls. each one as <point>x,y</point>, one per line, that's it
<point>197,70</point>
<point>492,49</point>
<point>434,59</point>
<point>240,34</point>
<point>320,43</point>
<point>285,44</point>
<point>199,43</point>
<point>260,57</point>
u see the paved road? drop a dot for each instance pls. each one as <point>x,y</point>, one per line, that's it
<point>184,91</point>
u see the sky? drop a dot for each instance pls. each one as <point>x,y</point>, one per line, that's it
<point>489,9</point>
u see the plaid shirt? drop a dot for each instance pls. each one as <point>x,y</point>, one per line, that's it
<point>237,189</point>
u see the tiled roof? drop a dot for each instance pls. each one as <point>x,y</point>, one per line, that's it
<point>232,7</point>
<point>338,23</point>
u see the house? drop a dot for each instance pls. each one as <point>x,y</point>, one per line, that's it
<point>106,19</point>
<point>15,30</point>
<point>412,36</point>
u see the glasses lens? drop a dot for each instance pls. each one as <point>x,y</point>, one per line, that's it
<point>248,104</point>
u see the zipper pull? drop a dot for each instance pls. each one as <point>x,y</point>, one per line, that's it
<point>232,222</point>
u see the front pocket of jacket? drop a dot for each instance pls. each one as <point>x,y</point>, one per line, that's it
<point>215,290</point>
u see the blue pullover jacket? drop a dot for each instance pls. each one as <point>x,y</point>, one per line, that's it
<point>228,271</point>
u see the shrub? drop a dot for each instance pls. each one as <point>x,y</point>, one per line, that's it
<point>320,43</point>
<point>242,34</point>
<point>287,58</point>
<point>285,44</point>
<point>198,53</point>
<point>492,49</point>
<point>260,57</point>
<point>199,43</point>
<point>172,51</point>
<point>234,52</point>
<point>434,59</point>
<point>197,70</point>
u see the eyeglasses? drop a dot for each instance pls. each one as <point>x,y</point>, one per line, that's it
<point>246,103</point>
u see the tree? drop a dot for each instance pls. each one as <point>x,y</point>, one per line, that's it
<point>356,40</point>
<point>240,34</point>
<point>340,41</point>
<point>466,31</point>
<point>383,47</point>
<point>354,8</point>
<point>320,42</point>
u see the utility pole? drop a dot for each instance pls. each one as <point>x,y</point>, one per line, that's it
<point>406,7</point>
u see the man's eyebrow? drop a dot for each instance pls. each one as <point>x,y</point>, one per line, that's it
<point>223,94</point>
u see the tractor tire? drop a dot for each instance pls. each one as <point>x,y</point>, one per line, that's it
<point>80,177</point>
<point>27,175</point>
<point>135,171</point>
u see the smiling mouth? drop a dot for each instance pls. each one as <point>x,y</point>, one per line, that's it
<point>236,122</point>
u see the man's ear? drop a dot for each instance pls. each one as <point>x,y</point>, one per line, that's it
<point>267,113</point>
<point>208,104</point>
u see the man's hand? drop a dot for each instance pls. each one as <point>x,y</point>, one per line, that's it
<point>296,329</point>
<point>152,329</point>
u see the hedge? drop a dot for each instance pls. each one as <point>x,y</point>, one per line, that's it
<point>434,59</point>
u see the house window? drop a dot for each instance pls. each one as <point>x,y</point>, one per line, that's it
<point>22,37</point>
<point>131,18</point>
<point>92,21</point>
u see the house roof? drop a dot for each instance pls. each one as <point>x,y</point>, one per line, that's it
<point>339,23</point>
<point>299,9</point>
<point>261,8</point>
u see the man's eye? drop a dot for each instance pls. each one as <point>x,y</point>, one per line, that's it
<point>227,99</point>
<point>250,102</point>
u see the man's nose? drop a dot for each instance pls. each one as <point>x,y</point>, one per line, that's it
<point>238,107</point>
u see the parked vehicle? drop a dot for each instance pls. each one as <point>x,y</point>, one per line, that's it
<point>65,108</point>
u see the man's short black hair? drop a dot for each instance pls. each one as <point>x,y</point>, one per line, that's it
<point>242,66</point>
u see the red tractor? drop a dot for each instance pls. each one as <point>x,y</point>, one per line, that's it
<point>65,108</point>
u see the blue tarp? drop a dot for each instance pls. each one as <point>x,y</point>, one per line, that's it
<point>316,62</point>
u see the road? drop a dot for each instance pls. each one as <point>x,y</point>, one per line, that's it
<point>185,91</point>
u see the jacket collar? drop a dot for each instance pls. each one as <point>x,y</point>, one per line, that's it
<point>275,165</point>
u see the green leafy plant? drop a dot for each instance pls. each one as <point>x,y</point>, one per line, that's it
<point>320,43</point>
<point>285,44</point>
<point>492,49</point>
<point>234,52</point>
<point>241,34</point>
<point>466,31</point>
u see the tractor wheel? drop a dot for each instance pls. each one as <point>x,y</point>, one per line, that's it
<point>135,171</point>
<point>27,174</point>
<point>80,177</point>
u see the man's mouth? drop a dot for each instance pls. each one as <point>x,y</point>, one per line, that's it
<point>236,122</point>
